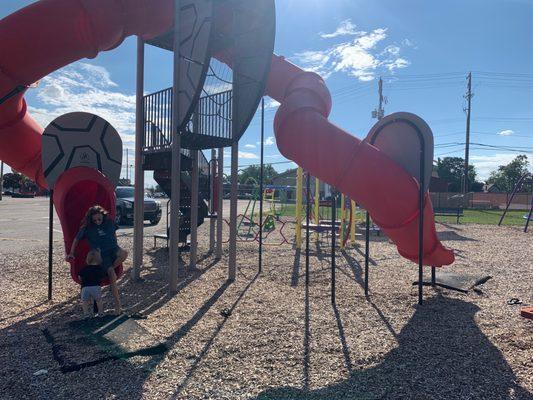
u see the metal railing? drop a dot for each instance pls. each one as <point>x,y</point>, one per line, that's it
<point>213,116</point>
<point>157,109</point>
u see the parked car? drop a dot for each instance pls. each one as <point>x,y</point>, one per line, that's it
<point>19,195</point>
<point>125,202</point>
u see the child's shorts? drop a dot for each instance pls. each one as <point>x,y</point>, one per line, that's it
<point>91,292</point>
<point>108,258</point>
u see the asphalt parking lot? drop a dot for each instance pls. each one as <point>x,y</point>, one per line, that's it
<point>24,224</point>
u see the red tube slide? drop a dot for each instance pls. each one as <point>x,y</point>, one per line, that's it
<point>356,168</point>
<point>76,190</point>
<point>40,39</point>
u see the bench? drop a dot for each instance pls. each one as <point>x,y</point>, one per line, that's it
<point>449,212</point>
<point>160,236</point>
<point>166,238</point>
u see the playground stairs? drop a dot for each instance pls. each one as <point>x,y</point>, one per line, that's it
<point>202,132</point>
<point>162,177</point>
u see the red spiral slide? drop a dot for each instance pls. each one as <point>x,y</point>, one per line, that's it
<point>354,167</point>
<point>50,34</point>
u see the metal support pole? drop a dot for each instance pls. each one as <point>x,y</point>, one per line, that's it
<point>138,210</point>
<point>333,237</point>
<point>307,233</point>
<point>343,215</point>
<point>367,250</point>
<point>220,205</point>
<point>529,215</point>
<point>421,222</point>
<point>176,269</point>
<point>232,267</point>
<point>212,173</point>
<point>1,179</point>
<point>517,187</point>
<point>50,243</point>
<point>353,221</point>
<point>299,190</point>
<point>317,206</point>
<point>261,178</point>
<point>194,210</point>
<point>433,276</point>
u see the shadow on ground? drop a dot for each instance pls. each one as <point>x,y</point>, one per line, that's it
<point>39,342</point>
<point>453,235</point>
<point>441,354</point>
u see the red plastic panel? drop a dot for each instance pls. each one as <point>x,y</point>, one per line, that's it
<point>75,192</point>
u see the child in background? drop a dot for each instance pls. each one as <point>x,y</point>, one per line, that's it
<point>90,277</point>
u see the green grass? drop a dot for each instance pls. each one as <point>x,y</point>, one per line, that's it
<point>487,217</point>
<point>484,217</point>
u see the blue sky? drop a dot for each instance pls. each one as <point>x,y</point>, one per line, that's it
<point>423,49</point>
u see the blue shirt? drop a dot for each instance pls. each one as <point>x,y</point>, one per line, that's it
<point>100,236</point>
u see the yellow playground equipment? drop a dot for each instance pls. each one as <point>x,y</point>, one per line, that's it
<point>346,224</point>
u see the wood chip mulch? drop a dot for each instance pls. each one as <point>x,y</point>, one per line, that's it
<point>269,336</point>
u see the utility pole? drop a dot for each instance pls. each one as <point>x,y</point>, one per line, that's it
<point>380,112</point>
<point>468,110</point>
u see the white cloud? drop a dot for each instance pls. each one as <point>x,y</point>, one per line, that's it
<point>359,57</point>
<point>99,72</point>
<point>408,43</point>
<point>244,154</point>
<point>506,132</point>
<point>84,87</point>
<point>269,141</point>
<point>250,146</point>
<point>485,164</point>
<point>396,64</point>
<point>391,50</point>
<point>316,61</point>
<point>215,87</point>
<point>271,103</point>
<point>345,28</point>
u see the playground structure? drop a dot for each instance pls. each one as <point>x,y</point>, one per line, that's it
<point>268,335</point>
<point>387,174</point>
<point>258,226</point>
<point>524,181</point>
<point>321,220</point>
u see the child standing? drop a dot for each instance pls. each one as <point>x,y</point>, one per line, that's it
<point>100,231</point>
<point>90,277</point>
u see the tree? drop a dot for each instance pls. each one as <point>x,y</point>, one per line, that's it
<point>506,177</point>
<point>451,169</point>
<point>251,174</point>
<point>13,180</point>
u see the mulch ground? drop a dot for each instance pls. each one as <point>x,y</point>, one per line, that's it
<point>270,336</point>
